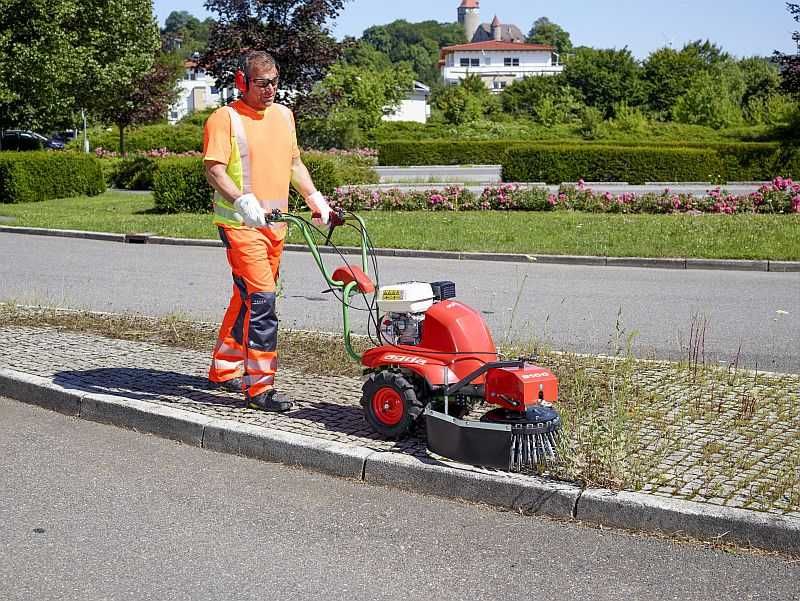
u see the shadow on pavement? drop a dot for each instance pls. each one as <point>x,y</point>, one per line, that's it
<point>146,385</point>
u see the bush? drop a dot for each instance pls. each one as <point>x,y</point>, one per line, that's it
<point>34,176</point>
<point>179,185</point>
<point>133,174</point>
<point>636,165</point>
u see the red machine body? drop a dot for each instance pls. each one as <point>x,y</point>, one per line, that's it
<point>455,342</point>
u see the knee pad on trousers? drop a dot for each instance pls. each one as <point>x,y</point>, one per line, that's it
<point>263,331</point>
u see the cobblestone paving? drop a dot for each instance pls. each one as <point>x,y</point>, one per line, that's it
<point>697,442</point>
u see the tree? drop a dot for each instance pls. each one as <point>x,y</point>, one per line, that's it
<point>369,94</point>
<point>522,96</point>
<point>358,53</point>
<point>146,99</point>
<point>58,56</point>
<point>295,32</point>
<point>790,63</point>
<point>546,32</point>
<point>189,30</point>
<point>415,43</point>
<point>457,105</point>
<point>707,52</point>
<point>666,74</point>
<point>605,78</point>
<point>714,98</point>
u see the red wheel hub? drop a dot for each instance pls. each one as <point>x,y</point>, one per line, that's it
<point>388,407</point>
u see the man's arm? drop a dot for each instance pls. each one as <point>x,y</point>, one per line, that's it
<point>301,178</point>
<point>218,178</point>
<point>302,182</point>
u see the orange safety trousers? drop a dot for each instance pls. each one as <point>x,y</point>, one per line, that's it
<point>248,339</point>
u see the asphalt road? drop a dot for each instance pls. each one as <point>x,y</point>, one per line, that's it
<point>750,315</point>
<point>90,511</point>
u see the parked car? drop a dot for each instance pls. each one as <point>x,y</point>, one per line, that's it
<point>18,139</point>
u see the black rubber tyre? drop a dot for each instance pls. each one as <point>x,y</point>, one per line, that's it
<point>390,403</point>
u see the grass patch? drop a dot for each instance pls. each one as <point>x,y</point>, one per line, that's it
<point>559,233</point>
<point>680,429</point>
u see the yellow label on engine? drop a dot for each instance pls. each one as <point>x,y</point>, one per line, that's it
<point>392,295</point>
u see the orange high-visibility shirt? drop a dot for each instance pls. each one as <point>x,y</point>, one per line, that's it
<point>272,142</point>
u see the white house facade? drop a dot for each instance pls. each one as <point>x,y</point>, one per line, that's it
<point>197,91</point>
<point>414,107</point>
<point>497,63</point>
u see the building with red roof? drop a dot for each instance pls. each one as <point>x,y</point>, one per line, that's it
<point>496,52</point>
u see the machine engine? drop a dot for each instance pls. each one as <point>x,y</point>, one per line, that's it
<point>403,307</point>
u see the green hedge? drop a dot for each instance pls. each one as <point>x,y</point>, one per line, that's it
<point>556,164</point>
<point>636,165</point>
<point>559,162</point>
<point>444,152</point>
<point>759,162</point>
<point>180,186</point>
<point>34,176</point>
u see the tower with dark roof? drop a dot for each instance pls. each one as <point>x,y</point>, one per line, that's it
<point>469,17</point>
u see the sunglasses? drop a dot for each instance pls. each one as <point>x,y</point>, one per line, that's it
<point>265,83</point>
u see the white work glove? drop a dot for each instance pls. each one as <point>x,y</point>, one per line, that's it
<point>251,211</point>
<point>317,203</point>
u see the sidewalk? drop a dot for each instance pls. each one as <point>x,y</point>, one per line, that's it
<point>140,385</point>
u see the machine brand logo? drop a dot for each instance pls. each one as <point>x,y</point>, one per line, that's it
<point>405,359</point>
<point>538,374</point>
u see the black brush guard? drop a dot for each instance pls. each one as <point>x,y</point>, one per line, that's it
<point>475,443</point>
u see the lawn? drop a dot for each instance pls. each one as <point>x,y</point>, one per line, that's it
<point>775,237</point>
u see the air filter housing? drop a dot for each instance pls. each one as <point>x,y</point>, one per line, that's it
<point>443,290</point>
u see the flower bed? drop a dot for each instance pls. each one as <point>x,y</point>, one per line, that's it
<point>780,196</point>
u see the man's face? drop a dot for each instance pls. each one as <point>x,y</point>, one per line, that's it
<point>263,86</point>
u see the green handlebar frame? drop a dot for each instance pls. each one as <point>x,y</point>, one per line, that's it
<point>348,290</point>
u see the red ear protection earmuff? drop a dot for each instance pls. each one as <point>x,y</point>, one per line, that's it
<point>241,81</point>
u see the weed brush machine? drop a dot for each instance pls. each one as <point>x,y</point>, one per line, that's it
<point>434,357</point>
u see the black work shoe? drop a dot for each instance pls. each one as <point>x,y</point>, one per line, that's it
<point>233,385</point>
<point>272,400</point>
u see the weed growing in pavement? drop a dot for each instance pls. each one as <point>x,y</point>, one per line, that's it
<point>627,423</point>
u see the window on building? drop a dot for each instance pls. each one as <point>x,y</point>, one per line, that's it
<point>475,62</point>
<point>464,62</point>
<point>487,60</point>
<point>511,62</point>
<point>214,90</point>
<point>554,59</point>
<point>499,85</point>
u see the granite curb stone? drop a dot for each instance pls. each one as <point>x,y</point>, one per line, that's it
<point>40,231</point>
<point>149,418</point>
<point>258,442</point>
<point>528,495</point>
<point>646,262</point>
<point>640,511</point>
<point>36,390</point>
<point>727,264</point>
<point>537,496</point>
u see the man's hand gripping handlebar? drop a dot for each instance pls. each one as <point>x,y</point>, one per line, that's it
<point>336,218</point>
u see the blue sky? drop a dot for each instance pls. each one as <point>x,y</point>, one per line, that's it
<point>741,27</point>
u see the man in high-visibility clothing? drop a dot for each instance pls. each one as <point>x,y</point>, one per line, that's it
<point>251,156</point>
